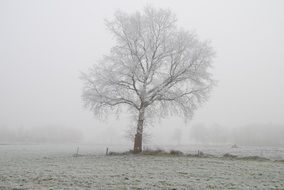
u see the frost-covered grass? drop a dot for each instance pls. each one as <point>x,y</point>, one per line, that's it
<point>39,167</point>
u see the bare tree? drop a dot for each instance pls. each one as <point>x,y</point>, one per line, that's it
<point>155,68</point>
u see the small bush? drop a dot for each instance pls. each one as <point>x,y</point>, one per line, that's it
<point>200,154</point>
<point>176,153</point>
<point>114,153</point>
<point>256,158</point>
<point>154,152</point>
<point>120,153</point>
<point>227,155</point>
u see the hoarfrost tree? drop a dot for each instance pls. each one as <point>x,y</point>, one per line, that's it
<point>155,68</point>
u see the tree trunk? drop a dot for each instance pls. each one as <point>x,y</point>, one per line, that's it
<point>138,135</point>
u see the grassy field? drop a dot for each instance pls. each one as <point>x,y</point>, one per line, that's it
<point>22,167</point>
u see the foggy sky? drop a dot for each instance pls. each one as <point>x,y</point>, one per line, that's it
<point>44,45</point>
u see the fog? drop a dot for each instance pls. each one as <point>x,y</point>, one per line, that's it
<point>44,45</point>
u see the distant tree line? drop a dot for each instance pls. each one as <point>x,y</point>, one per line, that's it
<point>251,134</point>
<point>47,134</point>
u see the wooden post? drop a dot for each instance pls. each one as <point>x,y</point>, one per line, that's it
<point>77,152</point>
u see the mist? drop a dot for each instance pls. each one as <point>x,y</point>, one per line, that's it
<point>45,45</point>
<point>40,134</point>
<point>247,135</point>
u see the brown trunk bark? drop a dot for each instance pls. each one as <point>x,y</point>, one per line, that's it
<point>137,143</point>
<point>138,136</point>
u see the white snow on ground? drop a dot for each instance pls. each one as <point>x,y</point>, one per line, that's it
<point>54,167</point>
